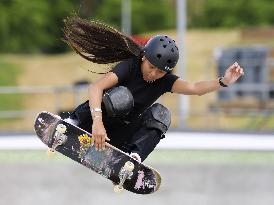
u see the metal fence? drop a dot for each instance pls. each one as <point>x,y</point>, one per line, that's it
<point>212,118</point>
<point>56,91</point>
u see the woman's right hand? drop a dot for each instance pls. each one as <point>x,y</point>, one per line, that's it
<point>99,134</point>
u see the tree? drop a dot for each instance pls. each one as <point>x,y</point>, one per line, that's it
<point>147,15</point>
<point>33,26</point>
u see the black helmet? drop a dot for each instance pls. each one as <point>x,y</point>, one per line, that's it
<point>162,52</point>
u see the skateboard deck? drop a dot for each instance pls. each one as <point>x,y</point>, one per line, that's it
<point>111,163</point>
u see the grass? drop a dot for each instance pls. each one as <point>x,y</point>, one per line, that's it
<point>9,73</point>
<point>8,77</point>
<point>211,157</point>
<point>30,157</point>
<point>157,157</point>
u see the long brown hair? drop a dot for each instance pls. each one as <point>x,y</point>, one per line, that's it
<point>98,42</point>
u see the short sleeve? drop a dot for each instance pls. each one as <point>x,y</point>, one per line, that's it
<point>169,80</point>
<point>122,71</point>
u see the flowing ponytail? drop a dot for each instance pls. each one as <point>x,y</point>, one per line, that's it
<point>97,42</point>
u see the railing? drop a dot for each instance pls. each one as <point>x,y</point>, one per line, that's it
<point>255,116</point>
<point>56,91</point>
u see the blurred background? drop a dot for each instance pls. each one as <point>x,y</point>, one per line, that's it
<point>219,148</point>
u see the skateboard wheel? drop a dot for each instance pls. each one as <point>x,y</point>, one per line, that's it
<point>61,128</point>
<point>129,166</point>
<point>51,152</point>
<point>118,189</point>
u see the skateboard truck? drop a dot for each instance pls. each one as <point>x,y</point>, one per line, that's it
<point>59,138</point>
<point>125,173</point>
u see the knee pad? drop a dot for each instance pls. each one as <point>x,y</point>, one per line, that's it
<point>157,116</point>
<point>118,101</point>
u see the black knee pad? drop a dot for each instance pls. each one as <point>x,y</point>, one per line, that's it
<point>118,101</point>
<point>157,116</point>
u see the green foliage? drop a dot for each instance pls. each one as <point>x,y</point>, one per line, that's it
<point>147,15</point>
<point>33,25</point>
<point>224,13</point>
<point>107,14</point>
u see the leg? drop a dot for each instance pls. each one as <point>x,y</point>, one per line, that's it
<point>117,103</point>
<point>81,117</point>
<point>155,122</point>
<point>146,141</point>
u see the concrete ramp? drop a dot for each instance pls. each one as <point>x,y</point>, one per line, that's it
<point>188,184</point>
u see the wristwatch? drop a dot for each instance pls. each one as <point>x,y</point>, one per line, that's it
<point>221,82</point>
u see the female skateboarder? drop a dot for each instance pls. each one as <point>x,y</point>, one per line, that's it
<point>120,108</point>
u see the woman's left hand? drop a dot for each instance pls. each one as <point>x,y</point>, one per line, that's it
<point>233,73</point>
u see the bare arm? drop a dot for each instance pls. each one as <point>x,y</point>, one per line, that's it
<point>96,89</point>
<point>200,88</point>
<point>95,99</point>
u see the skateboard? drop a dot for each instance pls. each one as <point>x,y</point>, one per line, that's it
<point>124,171</point>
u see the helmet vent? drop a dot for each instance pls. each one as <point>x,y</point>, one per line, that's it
<point>172,50</point>
<point>168,61</point>
<point>164,46</point>
<point>159,56</point>
<point>161,39</point>
<point>169,41</point>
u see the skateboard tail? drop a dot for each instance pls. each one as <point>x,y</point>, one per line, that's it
<point>44,127</point>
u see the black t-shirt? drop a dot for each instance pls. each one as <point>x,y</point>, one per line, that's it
<point>144,93</point>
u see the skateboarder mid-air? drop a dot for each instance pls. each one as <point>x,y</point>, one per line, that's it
<point>121,106</point>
